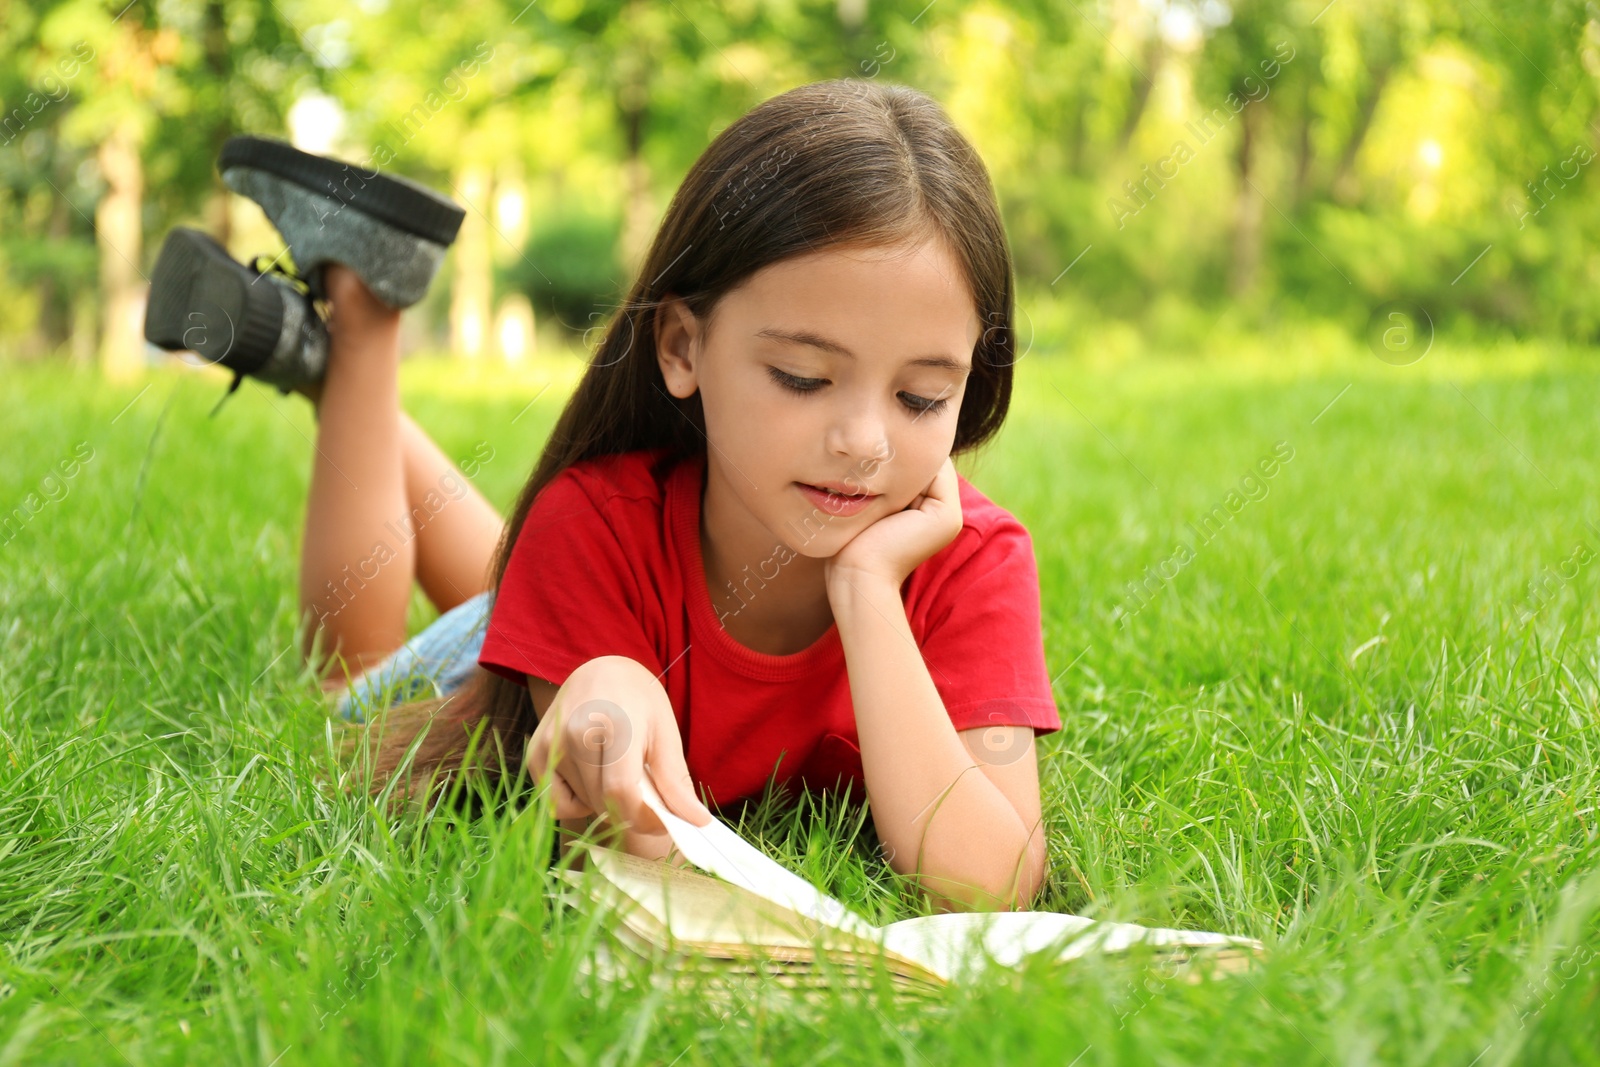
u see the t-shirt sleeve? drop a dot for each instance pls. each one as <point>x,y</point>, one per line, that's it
<point>985,642</point>
<point>569,592</point>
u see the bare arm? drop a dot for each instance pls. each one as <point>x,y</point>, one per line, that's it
<point>958,810</point>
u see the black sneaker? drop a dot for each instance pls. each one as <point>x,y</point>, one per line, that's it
<point>256,321</point>
<point>391,231</point>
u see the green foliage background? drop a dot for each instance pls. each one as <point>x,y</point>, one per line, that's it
<point>1397,142</point>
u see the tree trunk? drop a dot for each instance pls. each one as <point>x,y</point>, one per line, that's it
<point>470,310</point>
<point>852,15</point>
<point>81,352</point>
<point>55,304</point>
<point>1248,206</point>
<point>1142,87</point>
<point>1343,185</point>
<point>1079,138</point>
<point>119,238</point>
<point>1303,147</point>
<point>638,213</point>
<point>217,66</point>
<point>634,65</point>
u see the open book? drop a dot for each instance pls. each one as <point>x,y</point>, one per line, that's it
<point>750,915</point>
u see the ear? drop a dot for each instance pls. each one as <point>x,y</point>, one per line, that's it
<point>678,339</point>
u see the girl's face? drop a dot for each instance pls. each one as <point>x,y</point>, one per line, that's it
<point>843,367</point>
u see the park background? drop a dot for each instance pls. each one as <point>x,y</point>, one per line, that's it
<point>1250,162</point>
<point>1304,432</point>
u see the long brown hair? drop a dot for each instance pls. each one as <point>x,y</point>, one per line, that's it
<point>834,163</point>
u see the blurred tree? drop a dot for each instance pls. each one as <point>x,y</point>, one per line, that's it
<point>1381,145</point>
<point>46,255</point>
<point>138,102</point>
<point>124,86</point>
<point>1240,70</point>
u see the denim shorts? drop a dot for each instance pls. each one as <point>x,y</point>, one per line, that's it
<point>434,663</point>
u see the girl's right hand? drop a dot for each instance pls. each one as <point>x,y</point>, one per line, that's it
<point>609,721</point>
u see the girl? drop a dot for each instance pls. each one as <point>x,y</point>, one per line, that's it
<point>744,554</point>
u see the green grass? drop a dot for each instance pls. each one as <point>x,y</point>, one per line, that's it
<point>1337,728</point>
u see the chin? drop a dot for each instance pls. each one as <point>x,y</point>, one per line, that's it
<point>819,547</point>
<point>820,544</point>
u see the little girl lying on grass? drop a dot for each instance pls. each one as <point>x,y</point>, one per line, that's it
<point>744,553</point>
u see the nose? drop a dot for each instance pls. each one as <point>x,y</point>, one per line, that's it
<point>857,433</point>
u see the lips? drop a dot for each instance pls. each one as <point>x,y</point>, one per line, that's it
<point>836,503</point>
<point>837,488</point>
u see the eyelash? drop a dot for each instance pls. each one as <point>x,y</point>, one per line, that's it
<point>811,385</point>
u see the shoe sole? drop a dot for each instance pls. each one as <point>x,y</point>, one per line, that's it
<point>204,301</point>
<point>398,201</point>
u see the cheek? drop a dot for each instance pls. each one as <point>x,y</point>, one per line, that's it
<point>735,412</point>
<point>748,395</point>
<point>913,466</point>
<point>765,436</point>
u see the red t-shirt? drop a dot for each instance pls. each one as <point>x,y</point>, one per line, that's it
<point>608,563</point>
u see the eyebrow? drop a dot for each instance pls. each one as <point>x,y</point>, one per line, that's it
<point>814,340</point>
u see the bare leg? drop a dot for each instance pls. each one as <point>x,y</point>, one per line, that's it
<point>452,532</point>
<point>355,574</point>
<point>457,529</point>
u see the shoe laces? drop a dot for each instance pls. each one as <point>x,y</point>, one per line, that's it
<point>297,283</point>
<point>275,266</point>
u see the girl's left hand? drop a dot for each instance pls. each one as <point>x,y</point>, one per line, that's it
<point>896,544</point>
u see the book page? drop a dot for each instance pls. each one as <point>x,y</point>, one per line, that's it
<point>952,943</point>
<point>947,944</point>
<point>716,848</point>
<point>700,909</point>
<point>669,906</point>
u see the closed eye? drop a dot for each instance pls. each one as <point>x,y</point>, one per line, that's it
<point>916,404</point>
